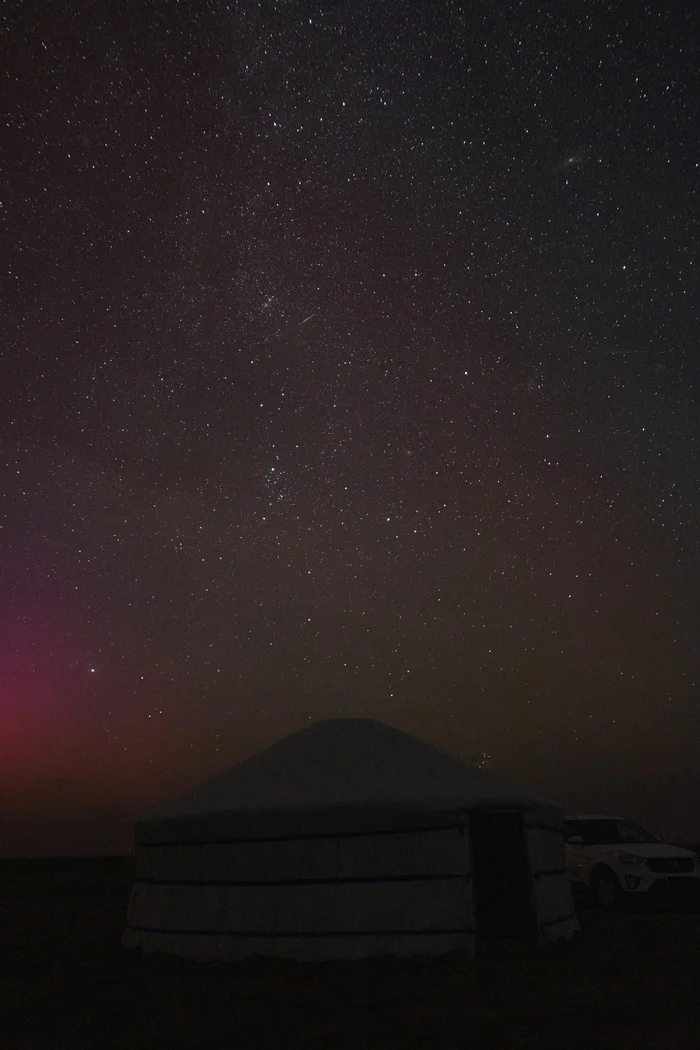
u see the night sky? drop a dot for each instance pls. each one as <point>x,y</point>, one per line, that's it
<point>349,367</point>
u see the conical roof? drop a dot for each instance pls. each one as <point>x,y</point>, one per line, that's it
<point>349,762</point>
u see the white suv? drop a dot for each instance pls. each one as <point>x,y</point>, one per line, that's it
<point>611,856</point>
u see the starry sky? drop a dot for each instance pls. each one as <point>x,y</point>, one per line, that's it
<point>348,367</point>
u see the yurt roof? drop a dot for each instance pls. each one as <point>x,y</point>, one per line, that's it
<point>350,762</point>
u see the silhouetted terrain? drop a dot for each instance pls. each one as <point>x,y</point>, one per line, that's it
<point>629,982</point>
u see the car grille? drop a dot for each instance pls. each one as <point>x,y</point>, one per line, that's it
<point>670,865</point>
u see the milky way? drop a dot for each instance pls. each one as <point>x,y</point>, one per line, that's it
<point>349,367</point>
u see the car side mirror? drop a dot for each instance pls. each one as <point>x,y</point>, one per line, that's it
<point>575,840</point>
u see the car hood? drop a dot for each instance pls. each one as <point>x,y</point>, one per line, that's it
<point>647,849</point>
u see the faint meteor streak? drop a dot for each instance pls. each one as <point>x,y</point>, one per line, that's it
<point>306,319</point>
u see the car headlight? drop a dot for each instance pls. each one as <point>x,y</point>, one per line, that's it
<point>630,858</point>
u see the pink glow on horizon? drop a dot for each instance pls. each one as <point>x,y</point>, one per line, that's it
<point>39,702</point>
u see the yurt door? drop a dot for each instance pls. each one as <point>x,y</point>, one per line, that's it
<point>503,897</point>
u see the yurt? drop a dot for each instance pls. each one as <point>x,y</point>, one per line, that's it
<point>346,840</point>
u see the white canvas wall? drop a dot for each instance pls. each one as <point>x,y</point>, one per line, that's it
<point>553,901</point>
<point>345,897</point>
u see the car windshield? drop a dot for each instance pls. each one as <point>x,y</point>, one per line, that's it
<point>609,832</point>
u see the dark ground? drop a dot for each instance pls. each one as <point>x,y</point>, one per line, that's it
<point>632,980</point>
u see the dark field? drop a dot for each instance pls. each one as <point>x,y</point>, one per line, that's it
<point>632,980</point>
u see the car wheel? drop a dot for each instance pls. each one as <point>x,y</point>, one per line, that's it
<point>606,889</point>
